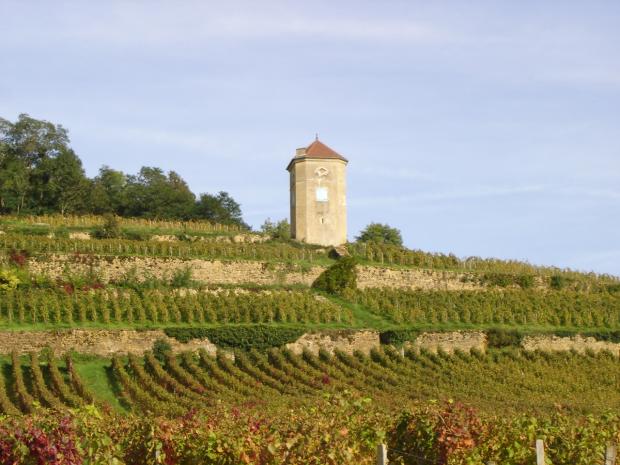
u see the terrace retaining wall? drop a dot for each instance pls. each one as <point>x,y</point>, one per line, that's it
<point>110,268</point>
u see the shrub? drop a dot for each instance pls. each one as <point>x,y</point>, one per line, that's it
<point>136,235</point>
<point>613,288</point>
<point>525,281</point>
<point>338,277</point>
<point>19,258</point>
<point>498,279</point>
<point>558,282</point>
<point>435,434</point>
<point>243,337</point>
<point>498,338</point>
<point>380,234</point>
<point>8,280</point>
<point>398,337</point>
<point>110,229</point>
<point>161,349</point>
<point>182,278</point>
<point>61,232</point>
<point>280,230</point>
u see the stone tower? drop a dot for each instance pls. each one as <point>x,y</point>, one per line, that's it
<point>318,195</point>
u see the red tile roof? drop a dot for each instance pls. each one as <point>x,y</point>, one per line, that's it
<point>318,149</point>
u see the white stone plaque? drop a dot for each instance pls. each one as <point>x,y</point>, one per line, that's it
<point>321,194</point>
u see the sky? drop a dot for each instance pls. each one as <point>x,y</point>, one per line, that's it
<point>481,128</point>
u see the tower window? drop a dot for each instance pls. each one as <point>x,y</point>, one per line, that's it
<point>321,194</point>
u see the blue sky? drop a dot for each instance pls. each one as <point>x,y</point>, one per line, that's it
<point>482,128</point>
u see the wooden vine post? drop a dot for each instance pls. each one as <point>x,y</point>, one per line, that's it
<point>382,454</point>
<point>540,452</point>
<point>610,455</point>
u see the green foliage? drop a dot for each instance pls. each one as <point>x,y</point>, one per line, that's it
<point>452,433</point>
<point>161,349</point>
<point>38,170</point>
<point>397,337</point>
<point>515,307</point>
<point>153,194</point>
<point>273,251</point>
<point>95,305</point>
<point>558,281</point>
<point>40,173</point>
<point>475,266</point>
<point>280,230</point>
<point>500,338</point>
<point>278,407</point>
<point>239,337</point>
<point>110,228</point>
<point>436,434</point>
<point>525,281</point>
<point>339,277</point>
<point>136,235</point>
<point>8,280</point>
<point>380,234</point>
<point>220,208</point>
<point>182,278</point>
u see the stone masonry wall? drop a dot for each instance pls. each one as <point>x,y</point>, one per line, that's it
<point>108,342</point>
<point>450,341</point>
<point>242,272</point>
<point>346,341</point>
<point>575,343</point>
<point>94,341</point>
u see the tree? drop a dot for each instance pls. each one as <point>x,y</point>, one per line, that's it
<point>40,171</point>
<point>220,208</point>
<point>279,230</point>
<point>67,187</point>
<point>108,191</point>
<point>380,234</point>
<point>14,184</point>
<point>152,194</point>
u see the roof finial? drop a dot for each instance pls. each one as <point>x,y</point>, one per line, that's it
<point>316,136</point>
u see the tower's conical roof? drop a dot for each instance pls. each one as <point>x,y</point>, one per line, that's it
<point>317,150</point>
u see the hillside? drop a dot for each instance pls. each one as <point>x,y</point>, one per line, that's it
<point>170,317</point>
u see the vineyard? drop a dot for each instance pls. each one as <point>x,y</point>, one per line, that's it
<point>51,223</point>
<point>564,308</point>
<point>49,234</point>
<point>506,381</point>
<point>257,401</point>
<point>155,307</point>
<point>326,409</point>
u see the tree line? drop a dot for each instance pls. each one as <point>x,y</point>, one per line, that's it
<point>40,173</point>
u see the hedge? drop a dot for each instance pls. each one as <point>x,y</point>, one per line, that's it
<point>244,337</point>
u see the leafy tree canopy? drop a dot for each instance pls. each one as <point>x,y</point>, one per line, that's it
<point>279,230</point>
<point>40,173</point>
<point>220,208</point>
<point>380,234</point>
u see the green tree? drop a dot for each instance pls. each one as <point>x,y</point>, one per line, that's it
<point>39,170</point>
<point>279,230</point>
<point>220,208</point>
<point>67,187</point>
<point>152,194</point>
<point>108,191</point>
<point>380,234</point>
<point>14,184</point>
